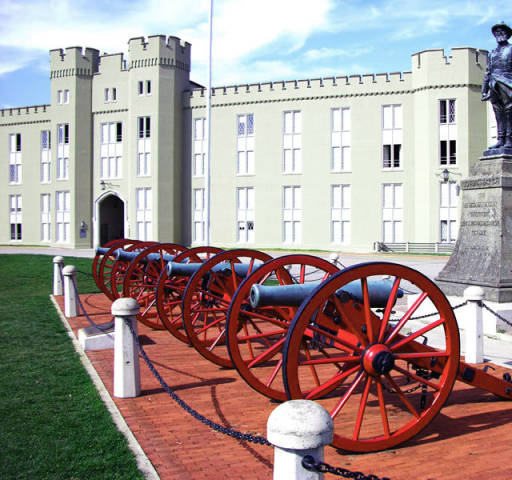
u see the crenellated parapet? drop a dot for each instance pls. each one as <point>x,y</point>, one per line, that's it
<point>73,61</point>
<point>25,115</point>
<point>114,62</point>
<point>159,50</point>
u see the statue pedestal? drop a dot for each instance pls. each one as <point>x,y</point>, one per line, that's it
<point>483,253</point>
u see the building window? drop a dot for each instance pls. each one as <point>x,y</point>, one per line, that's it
<point>245,144</point>
<point>141,85</point>
<point>62,97</point>
<point>15,158</point>
<point>114,94</point>
<point>198,221</point>
<point>292,214</point>
<point>110,95</point>
<point>144,213</point>
<point>144,147</point>
<point>447,133</point>
<point>340,214</point>
<point>199,147</point>
<point>292,142</point>
<point>391,136</point>
<point>448,213</point>
<point>392,212</point>
<point>46,156</point>
<point>63,151</point>
<point>245,214</point>
<point>111,150</point>
<point>15,218</point>
<point>63,216</point>
<point>45,217</point>
<point>340,139</point>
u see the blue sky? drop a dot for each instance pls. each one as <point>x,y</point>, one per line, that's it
<point>254,40</point>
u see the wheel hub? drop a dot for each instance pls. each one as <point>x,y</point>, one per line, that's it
<point>378,360</point>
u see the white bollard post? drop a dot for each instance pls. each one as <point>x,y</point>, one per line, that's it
<point>70,297</point>
<point>474,330</point>
<point>58,263</point>
<point>126,358</point>
<point>333,258</point>
<point>298,428</point>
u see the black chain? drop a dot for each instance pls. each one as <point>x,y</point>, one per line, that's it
<point>85,273</point>
<point>437,313</point>
<point>105,326</point>
<point>313,465</point>
<point>210,423</point>
<point>496,314</point>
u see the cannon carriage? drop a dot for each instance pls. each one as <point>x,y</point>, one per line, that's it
<point>298,327</point>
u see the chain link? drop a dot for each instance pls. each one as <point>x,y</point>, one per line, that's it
<point>311,464</point>
<point>419,317</point>
<point>105,326</point>
<point>496,314</point>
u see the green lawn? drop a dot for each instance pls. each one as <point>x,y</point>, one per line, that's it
<point>53,424</point>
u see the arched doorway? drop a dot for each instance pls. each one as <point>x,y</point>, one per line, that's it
<point>111,219</point>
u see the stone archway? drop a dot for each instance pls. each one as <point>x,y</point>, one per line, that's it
<point>111,219</point>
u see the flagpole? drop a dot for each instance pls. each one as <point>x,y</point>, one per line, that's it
<point>208,129</point>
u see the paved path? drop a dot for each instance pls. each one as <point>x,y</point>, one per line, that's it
<point>469,439</point>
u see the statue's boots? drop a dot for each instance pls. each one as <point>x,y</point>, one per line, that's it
<point>501,125</point>
<point>508,138</point>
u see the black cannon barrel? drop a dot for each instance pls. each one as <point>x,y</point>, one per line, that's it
<point>188,269</point>
<point>293,295</point>
<point>125,256</point>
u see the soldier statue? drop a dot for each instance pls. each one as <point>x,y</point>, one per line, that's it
<point>497,84</point>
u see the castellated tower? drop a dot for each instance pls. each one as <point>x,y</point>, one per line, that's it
<point>159,69</point>
<point>71,73</point>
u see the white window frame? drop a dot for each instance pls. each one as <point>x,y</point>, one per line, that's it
<point>341,214</point>
<point>199,147</point>
<point>111,150</point>
<point>46,222</point>
<point>448,212</point>
<point>245,144</point>
<point>392,136</point>
<point>198,215</point>
<point>292,214</point>
<point>63,151</point>
<point>144,213</point>
<point>15,159</point>
<point>447,132</point>
<point>63,216</point>
<point>292,141</point>
<point>15,218</point>
<point>245,206</point>
<point>144,146</point>
<point>46,156</point>
<point>341,139</point>
<point>392,212</point>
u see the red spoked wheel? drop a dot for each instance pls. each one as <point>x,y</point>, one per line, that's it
<point>120,266</point>
<point>256,334</point>
<point>381,374</point>
<point>107,264</point>
<point>207,298</point>
<point>142,276</point>
<point>170,290</point>
<point>98,257</point>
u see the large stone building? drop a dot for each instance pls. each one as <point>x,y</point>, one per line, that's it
<point>330,163</point>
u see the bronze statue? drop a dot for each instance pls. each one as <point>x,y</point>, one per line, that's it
<point>497,84</point>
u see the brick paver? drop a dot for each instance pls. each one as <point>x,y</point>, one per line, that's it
<point>470,439</point>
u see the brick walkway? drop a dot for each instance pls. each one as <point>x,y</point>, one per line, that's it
<point>470,439</point>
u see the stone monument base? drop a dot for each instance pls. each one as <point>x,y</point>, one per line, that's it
<point>483,253</point>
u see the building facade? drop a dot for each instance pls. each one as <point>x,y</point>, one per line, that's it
<point>333,163</point>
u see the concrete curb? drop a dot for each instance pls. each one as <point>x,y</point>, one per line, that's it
<point>143,462</point>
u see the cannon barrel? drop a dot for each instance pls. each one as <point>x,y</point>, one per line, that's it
<point>293,295</point>
<point>188,269</point>
<point>102,250</point>
<point>125,256</point>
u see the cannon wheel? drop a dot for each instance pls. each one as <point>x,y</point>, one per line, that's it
<point>256,336</point>
<point>372,368</point>
<point>141,277</point>
<point>97,261</point>
<point>206,302</point>
<point>107,264</point>
<point>170,290</point>
<point>119,267</point>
